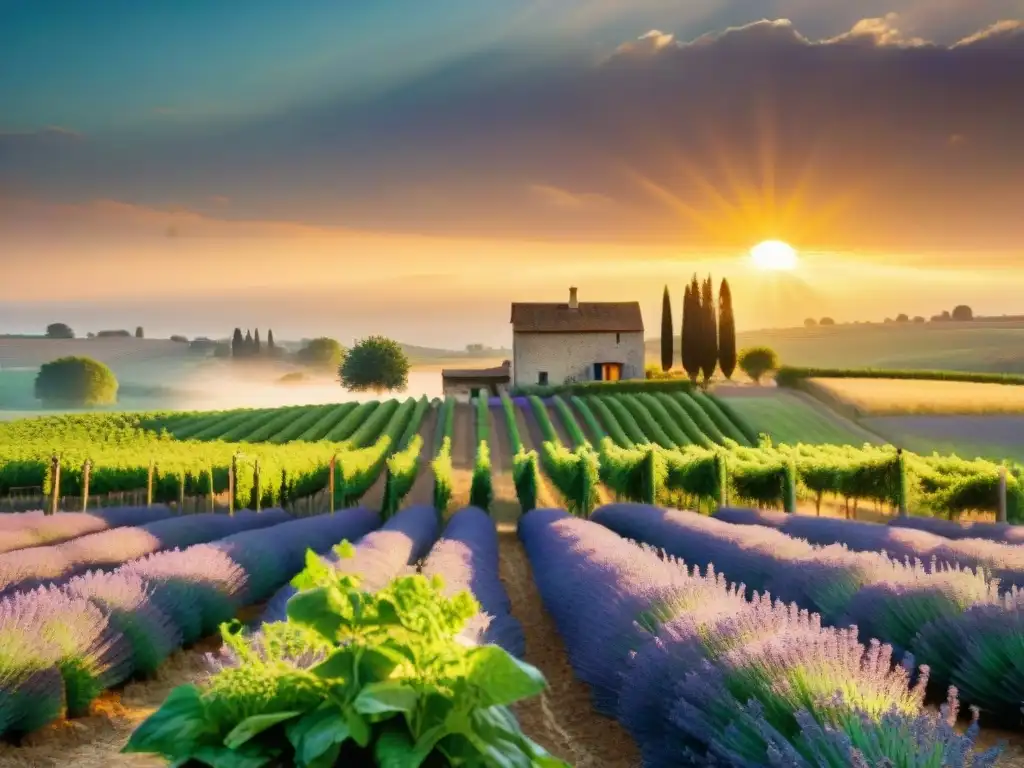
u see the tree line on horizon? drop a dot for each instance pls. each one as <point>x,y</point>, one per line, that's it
<point>707,338</point>
<point>250,346</point>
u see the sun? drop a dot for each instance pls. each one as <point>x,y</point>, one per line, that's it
<point>773,255</point>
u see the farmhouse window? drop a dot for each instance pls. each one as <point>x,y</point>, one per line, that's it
<point>618,337</point>
<point>542,378</point>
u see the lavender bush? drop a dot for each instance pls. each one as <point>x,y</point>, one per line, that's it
<point>722,681</point>
<point>1002,561</point>
<point>31,689</point>
<point>1002,533</point>
<point>28,568</point>
<point>127,599</point>
<point>380,556</point>
<point>35,529</point>
<point>466,558</point>
<point>101,628</point>
<point>89,653</point>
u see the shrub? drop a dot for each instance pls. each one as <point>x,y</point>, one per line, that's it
<point>443,482</point>
<point>375,363</point>
<point>962,313</point>
<point>118,334</point>
<point>59,331</point>
<point>481,491</point>
<point>180,339</point>
<point>76,381</point>
<point>757,361</point>
<point>525,475</point>
<point>401,474</point>
<point>287,695</point>
<point>321,353</point>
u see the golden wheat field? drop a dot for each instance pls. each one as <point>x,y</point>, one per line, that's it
<point>887,397</point>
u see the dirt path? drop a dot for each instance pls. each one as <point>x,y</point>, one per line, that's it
<point>505,508</point>
<point>561,719</point>
<point>422,491</point>
<point>464,437</point>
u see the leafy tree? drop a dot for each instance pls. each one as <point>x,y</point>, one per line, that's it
<point>237,343</point>
<point>75,382</point>
<point>918,319</point>
<point>667,353</point>
<point>827,321</point>
<point>726,331</point>
<point>692,333</point>
<point>59,331</point>
<point>902,318</point>
<point>139,333</point>
<point>757,361</point>
<point>322,353</point>
<point>709,331</point>
<point>256,343</point>
<point>375,363</point>
<point>962,313</point>
<point>810,322</point>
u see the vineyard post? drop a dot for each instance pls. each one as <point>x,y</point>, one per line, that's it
<point>209,488</point>
<point>723,480</point>
<point>86,471</point>
<point>149,483</point>
<point>256,484</point>
<point>330,481</point>
<point>1002,495</point>
<point>284,486</point>
<point>55,488</point>
<point>901,466</point>
<point>231,484</point>
<point>791,487</point>
<point>181,494</point>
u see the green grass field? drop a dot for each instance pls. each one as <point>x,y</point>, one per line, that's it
<point>791,419</point>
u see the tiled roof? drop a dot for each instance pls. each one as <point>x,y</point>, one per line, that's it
<point>587,317</point>
<point>500,373</point>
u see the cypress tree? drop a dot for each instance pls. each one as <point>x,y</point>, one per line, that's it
<point>726,331</point>
<point>692,333</point>
<point>270,341</point>
<point>666,332</point>
<point>709,331</point>
<point>247,345</point>
<point>237,344</point>
<point>256,343</point>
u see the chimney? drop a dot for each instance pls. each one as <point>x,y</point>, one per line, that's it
<point>573,303</point>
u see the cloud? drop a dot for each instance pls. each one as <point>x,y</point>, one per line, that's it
<point>563,199</point>
<point>872,139</point>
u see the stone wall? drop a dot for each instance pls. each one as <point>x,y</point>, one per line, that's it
<point>571,356</point>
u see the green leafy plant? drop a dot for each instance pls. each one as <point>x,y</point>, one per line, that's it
<point>353,678</point>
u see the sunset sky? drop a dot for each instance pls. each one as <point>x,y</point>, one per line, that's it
<point>409,167</point>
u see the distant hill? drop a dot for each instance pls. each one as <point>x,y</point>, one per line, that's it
<point>985,345</point>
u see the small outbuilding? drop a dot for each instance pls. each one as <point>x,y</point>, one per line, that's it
<point>576,342</point>
<point>466,383</point>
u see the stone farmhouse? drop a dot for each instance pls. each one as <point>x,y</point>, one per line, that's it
<point>576,342</point>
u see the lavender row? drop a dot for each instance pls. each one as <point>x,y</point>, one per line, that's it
<point>38,566</point>
<point>60,647</point>
<point>1003,533</point>
<point>701,676</point>
<point>466,558</point>
<point>380,556</point>
<point>938,615</point>
<point>1001,561</point>
<point>35,529</point>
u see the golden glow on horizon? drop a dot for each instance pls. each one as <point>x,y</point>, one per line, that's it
<point>774,256</point>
